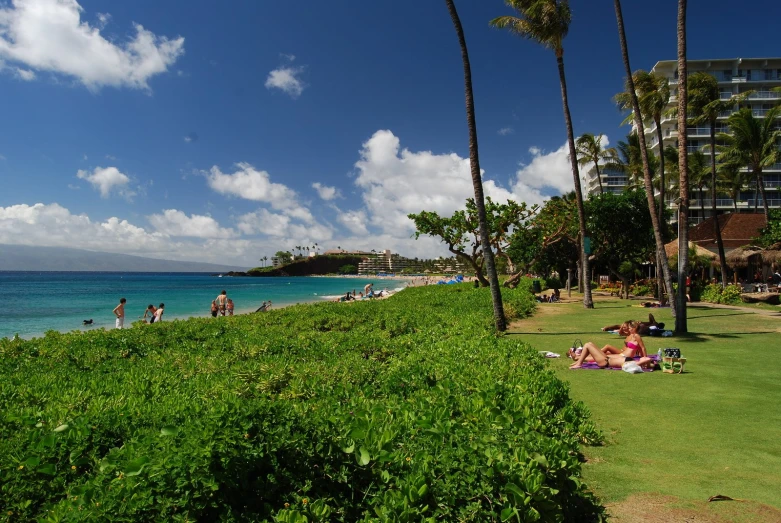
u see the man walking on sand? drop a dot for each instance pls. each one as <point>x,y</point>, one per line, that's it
<point>222,301</point>
<point>119,312</point>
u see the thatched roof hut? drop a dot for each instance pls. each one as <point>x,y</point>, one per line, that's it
<point>772,254</point>
<point>740,257</point>
<point>672,250</point>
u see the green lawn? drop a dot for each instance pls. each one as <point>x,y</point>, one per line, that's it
<point>716,429</point>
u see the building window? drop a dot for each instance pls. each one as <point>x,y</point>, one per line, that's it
<point>727,74</point>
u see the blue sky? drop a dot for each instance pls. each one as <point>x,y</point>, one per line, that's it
<point>225,132</point>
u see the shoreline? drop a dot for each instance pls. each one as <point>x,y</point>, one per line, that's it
<point>238,312</point>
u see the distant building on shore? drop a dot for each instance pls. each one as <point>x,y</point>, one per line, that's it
<point>385,261</point>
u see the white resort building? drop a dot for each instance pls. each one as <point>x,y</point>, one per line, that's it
<point>613,180</point>
<point>735,76</point>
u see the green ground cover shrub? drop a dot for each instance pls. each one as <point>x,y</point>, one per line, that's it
<point>407,409</point>
<point>713,293</point>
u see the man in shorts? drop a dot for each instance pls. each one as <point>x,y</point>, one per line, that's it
<point>222,301</point>
<point>119,312</point>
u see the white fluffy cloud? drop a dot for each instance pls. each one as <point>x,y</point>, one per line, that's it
<point>396,182</point>
<point>504,131</point>
<point>52,225</point>
<point>286,78</point>
<point>50,36</point>
<point>107,180</point>
<point>249,183</point>
<point>176,223</point>
<point>355,221</point>
<point>325,192</point>
<point>550,170</point>
<point>283,227</point>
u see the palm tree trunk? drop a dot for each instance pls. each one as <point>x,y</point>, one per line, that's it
<point>716,226</point>
<point>599,178</point>
<point>588,302</point>
<point>683,164</point>
<point>761,185</point>
<point>477,183</point>
<point>661,254</point>
<point>661,172</point>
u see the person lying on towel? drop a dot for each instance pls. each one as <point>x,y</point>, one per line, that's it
<point>643,328</point>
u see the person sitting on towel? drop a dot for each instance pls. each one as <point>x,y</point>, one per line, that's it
<point>633,347</point>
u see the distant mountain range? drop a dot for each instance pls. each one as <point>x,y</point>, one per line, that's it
<point>27,258</point>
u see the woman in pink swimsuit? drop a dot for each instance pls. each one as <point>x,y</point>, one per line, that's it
<point>633,347</point>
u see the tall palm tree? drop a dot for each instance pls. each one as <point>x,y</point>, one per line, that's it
<point>699,174</point>
<point>477,182</point>
<point>753,142</point>
<point>705,104</point>
<point>547,22</point>
<point>661,255</point>
<point>653,92</point>
<point>590,150</point>
<point>731,180</point>
<point>683,171</point>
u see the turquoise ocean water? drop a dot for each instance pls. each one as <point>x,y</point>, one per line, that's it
<point>39,301</point>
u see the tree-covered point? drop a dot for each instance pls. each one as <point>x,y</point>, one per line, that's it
<point>408,409</point>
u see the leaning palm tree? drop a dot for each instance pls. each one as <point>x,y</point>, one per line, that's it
<point>705,104</point>
<point>547,22</point>
<point>752,142</point>
<point>653,93</point>
<point>683,171</point>
<point>590,150</point>
<point>477,183</point>
<point>661,255</point>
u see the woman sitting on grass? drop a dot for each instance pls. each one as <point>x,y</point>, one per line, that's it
<point>633,346</point>
<point>607,360</point>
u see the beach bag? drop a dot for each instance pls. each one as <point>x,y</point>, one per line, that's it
<point>672,353</point>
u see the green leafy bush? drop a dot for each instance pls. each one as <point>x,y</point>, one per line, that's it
<point>713,293</point>
<point>409,409</point>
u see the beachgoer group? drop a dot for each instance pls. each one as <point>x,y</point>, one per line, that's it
<point>609,356</point>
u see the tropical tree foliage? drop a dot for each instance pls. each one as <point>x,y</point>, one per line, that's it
<point>623,236</point>
<point>752,142</point>
<point>461,231</point>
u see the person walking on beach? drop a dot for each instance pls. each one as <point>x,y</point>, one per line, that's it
<point>158,317</point>
<point>230,307</point>
<point>222,301</point>
<point>214,308</point>
<point>119,312</point>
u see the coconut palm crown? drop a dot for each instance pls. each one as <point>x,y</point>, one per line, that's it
<point>752,142</point>
<point>590,150</point>
<point>544,21</point>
